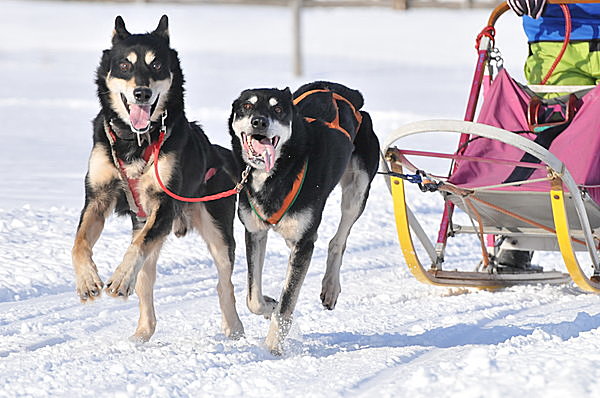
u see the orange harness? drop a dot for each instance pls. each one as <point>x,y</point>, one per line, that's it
<point>290,198</point>
<point>335,124</point>
<point>288,201</point>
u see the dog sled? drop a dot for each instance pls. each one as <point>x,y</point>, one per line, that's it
<point>525,176</point>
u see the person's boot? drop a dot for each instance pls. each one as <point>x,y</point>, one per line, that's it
<point>515,261</point>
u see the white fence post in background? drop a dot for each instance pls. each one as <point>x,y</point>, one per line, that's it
<point>296,6</point>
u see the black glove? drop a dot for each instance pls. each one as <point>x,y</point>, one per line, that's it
<point>533,8</point>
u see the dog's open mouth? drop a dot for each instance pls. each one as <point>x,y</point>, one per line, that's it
<point>261,149</point>
<point>139,114</point>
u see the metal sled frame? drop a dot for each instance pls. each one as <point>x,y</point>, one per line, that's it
<point>407,224</point>
<point>567,232</point>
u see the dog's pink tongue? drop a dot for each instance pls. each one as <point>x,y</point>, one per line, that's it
<point>139,116</point>
<point>265,147</point>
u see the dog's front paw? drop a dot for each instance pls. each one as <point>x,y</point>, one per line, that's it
<point>145,328</point>
<point>141,335</point>
<point>329,293</point>
<point>88,283</point>
<point>269,307</point>
<point>121,284</point>
<point>265,307</point>
<point>234,333</point>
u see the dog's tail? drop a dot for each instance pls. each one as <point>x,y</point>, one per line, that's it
<point>366,145</point>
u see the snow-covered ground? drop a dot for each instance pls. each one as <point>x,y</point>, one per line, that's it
<point>389,335</point>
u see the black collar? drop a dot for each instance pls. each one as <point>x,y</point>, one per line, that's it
<point>126,134</point>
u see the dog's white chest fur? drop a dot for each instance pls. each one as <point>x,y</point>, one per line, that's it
<point>290,227</point>
<point>258,179</point>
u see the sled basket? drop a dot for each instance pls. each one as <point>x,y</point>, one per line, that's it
<point>516,177</point>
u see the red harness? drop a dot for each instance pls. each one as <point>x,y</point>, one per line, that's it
<point>151,154</point>
<point>132,192</point>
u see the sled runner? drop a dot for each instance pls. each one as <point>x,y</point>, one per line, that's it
<point>525,176</point>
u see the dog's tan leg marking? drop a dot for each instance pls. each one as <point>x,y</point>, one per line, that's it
<point>231,324</point>
<point>102,170</point>
<point>256,244</point>
<point>88,282</point>
<point>123,280</point>
<point>355,186</point>
<point>144,288</point>
<point>101,174</point>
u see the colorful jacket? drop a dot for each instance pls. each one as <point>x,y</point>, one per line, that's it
<point>551,25</point>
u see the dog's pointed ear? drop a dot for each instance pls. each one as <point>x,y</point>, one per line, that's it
<point>287,91</point>
<point>236,102</point>
<point>120,32</point>
<point>162,30</point>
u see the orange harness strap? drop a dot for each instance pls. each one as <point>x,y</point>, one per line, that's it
<point>288,201</point>
<point>335,124</point>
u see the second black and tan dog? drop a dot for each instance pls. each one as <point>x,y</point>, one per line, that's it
<point>297,148</point>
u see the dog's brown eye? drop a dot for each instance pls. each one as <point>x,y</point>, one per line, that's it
<point>277,109</point>
<point>248,106</point>
<point>156,65</point>
<point>125,66</point>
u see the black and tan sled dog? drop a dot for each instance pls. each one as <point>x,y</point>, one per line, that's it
<point>140,87</point>
<point>298,148</point>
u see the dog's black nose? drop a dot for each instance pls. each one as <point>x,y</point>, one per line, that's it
<point>259,123</point>
<point>142,94</point>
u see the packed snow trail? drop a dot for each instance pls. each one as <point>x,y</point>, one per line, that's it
<point>388,334</point>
